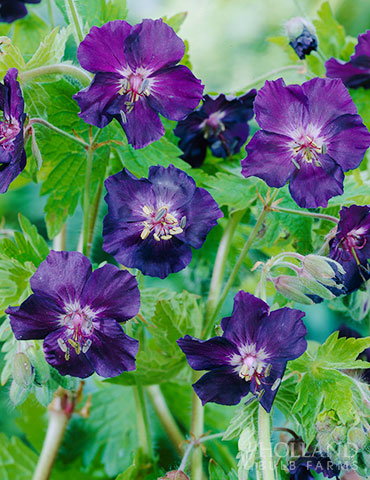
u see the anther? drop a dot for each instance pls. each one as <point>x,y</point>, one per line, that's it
<point>260,394</point>
<point>166,237</point>
<point>86,346</point>
<point>146,210</point>
<point>170,218</point>
<point>276,384</point>
<point>123,116</point>
<point>143,87</point>
<point>62,344</point>
<point>324,148</point>
<point>160,214</point>
<point>176,231</point>
<point>145,233</point>
<point>156,237</point>
<point>67,355</point>
<point>268,370</point>
<point>183,222</point>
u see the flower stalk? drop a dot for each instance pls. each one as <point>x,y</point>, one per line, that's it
<point>86,202</point>
<point>303,213</point>
<point>59,68</point>
<point>47,124</point>
<point>143,421</point>
<point>197,427</point>
<point>264,435</point>
<point>75,19</point>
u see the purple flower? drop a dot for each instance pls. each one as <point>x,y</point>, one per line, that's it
<point>311,135</point>
<point>351,245</point>
<point>76,312</point>
<point>220,123</point>
<point>136,79</point>
<point>302,36</point>
<point>301,468</point>
<point>12,153</point>
<point>11,10</point>
<point>251,355</point>
<point>153,223</point>
<point>356,72</point>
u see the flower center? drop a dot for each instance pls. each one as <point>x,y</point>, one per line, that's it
<point>79,326</point>
<point>162,224</point>
<point>307,150</point>
<point>354,240</point>
<point>136,86</point>
<point>212,126</point>
<point>8,132</point>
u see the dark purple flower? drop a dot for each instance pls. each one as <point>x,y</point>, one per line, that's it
<point>351,245</point>
<point>76,312</point>
<point>153,223</point>
<point>347,332</point>
<point>301,468</point>
<point>356,72</point>
<point>221,123</point>
<point>251,355</point>
<point>11,10</point>
<point>136,79</point>
<point>302,36</point>
<point>12,153</point>
<point>311,135</point>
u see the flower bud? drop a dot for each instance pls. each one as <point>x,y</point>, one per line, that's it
<point>324,441</point>
<point>339,434</point>
<point>323,269</point>
<point>291,288</point>
<point>302,36</point>
<point>22,370</point>
<point>356,437</point>
<point>18,393</point>
<point>314,287</point>
<point>41,368</point>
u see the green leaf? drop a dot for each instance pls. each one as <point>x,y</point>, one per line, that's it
<point>361,97</point>
<point>243,417</point>
<point>176,20</point>
<point>51,49</point>
<point>141,468</point>
<point>341,353</point>
<point>215,471</point>
<point>17,461</point>
<point>330,33</point>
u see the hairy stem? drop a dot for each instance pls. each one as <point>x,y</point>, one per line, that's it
<point>265,450</point>
<point>323,216</point>
<point>45,123</point>
<point>220,263</point>
<point>51,16</point>
<point>75,19</point>
<point>60,240</point>
<point>64,68</point>
<point>165,416</point>
<point>60,411</point>
<point>197,427</point>
<point>86,203</point>
<point>266,209</point>
<point>192,443</point>
<point>145,441</point>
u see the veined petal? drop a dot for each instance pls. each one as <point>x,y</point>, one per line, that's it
<point>270,158</point>
<point>207,354</point>
<point>12,163</point>
<point>363,46</point>
<point>175,92</point>
<point>222,385</point>
<point>112,351</point>
<point>102,48</point>
<point>312,186</point>
<point>153,45</point>
<point>172,186</point>
<point>351,75</point>
<point>13,98</point>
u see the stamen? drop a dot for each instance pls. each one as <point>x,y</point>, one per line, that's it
<point>176,230</point>
<point>268,370</point>
<point>295,163</point>
<point>160,214</point>
<point>171,218</point>
<point>324,148</point>
<point>166,237</point>
<point>86,346</point>
<point>123,116</point>
<point>67,355</point>
<point>156,237</point>
<point>276,384</point>
<point>183,222</point>
<point>75,345</point>
<point>146,210</point>
<point>145,233</point>
<point>143,86</point>
<point>62,344</point>
<point>260,394</point>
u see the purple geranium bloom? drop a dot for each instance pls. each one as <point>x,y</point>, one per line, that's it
<point>356,72</point>
<point>153,223</point>
<point>311,135</point>
<point>11,10</point>
<point>351,245</point>
<point>251,355</point>
<point>300,469</point>
<point>302,36</point>
<point>136,78</point>
<point>12,153</point>
<point>221,123</point>
<point>76,312</point>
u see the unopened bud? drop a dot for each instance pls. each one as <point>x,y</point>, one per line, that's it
<point>322,268</point>
<point>325,441</point>
<point>357,437</point>
<point>41,368</point>
<point>314,287</point>
<point>302,36</point>
<point>18,393</point>
<point>339,434</point>
<point>35,150</point>
<point>291,288</point>
<point>22,370</point>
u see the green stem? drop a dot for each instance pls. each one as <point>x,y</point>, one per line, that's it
<point>60,240</point>
<point>63,68</point>
<point>165,416</point>
<point>43,122</point>
<point>267,75</point>
<point>143,421</point>
<point>197,426</point>
<point>265,450</point>
<point>51,16</point>
<point>303,213</point>
<point>75,19</point>
<point>192,443</point>
<point>86,205</point>
<point>93,214</point>
<point>220,263</point>
<point>266,209</point>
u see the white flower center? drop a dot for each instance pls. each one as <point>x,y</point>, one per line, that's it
<point>161,223</point>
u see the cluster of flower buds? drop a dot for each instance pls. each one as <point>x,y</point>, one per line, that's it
<point>347,445</point>
<point>302,36</point>
<point>314,277</point>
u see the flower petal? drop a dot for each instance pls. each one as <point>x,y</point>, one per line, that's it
<point>222,386</point>
<point>280,108</point>
<point>270,385</point>
<point>62,277</point>
<point>35,318</point>
<point>203,215</point>
<point>172,186</point>
<point>175,92</point>
<point>248,313</point>
<point>112,351</point>
<point>347,140</point>
<point>12,163</point>
<point>113,293</point>
<point>363,46</point>
<point>153,45</point>
<point>97,97</point>
<point>76,365</point>
<point>312,187</point>
<point>102,48</point>
<point>351,75</point>
<point>13,98</point>
<point>207,354</point>
<point>270,158</point>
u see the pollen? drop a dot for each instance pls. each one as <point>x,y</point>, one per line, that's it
<point>163,224</point>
